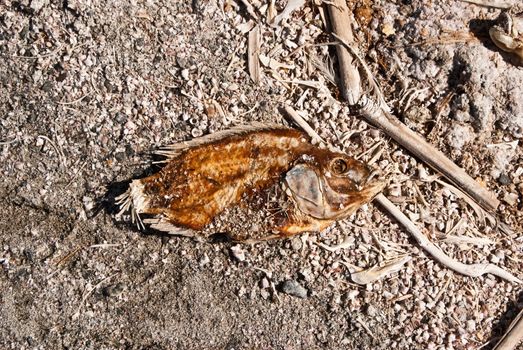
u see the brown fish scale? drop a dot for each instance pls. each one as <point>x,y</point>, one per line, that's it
<point>201,182</point>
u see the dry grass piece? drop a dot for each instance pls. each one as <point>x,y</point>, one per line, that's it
<point>378,272</point>
<point>349,74</point>
<point>253,54</point>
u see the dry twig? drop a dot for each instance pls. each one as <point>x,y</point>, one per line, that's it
<point>253,54</point>
<point>378,272</point>
<point>473,270</point>
<point>303,124</point>
<point>349,74</point>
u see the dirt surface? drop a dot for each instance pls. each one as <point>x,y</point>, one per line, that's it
<point>89,88</point>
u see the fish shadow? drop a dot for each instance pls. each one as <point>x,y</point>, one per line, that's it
<point>501,327</point>
<point>480,29</point>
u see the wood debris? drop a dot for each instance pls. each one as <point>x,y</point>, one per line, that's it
<point>254,53</point>
<point>377,272</point>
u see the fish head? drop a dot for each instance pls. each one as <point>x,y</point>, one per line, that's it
<point>330,185</point>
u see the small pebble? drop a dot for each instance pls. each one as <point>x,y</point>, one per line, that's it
<point>293,288</point>
<point>264,293</point>
<point>204,260</point>
<point>296,243</point>
<point>510,198</point>
<point>471,325</point>
<point>238,252</point>
<point>494,259</point>
<point>504,179</point>
<point>185,74</point>
<point>371,311</point>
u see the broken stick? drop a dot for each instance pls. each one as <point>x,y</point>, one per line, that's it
<point>472,270</point>
<point>430,155</point>
<point>349,74</point>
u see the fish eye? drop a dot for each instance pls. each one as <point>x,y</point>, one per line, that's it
<point>339,166</point>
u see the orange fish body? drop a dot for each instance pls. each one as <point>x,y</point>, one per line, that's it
<point>234,168</point>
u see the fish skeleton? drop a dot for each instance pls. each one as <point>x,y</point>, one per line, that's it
<point>268,169</point>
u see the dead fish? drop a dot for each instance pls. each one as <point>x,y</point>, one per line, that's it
<point>268,169</point>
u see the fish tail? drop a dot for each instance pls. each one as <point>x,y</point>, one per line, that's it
<point>134,202</point>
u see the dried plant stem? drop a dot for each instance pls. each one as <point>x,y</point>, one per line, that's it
<point>253,53</point>
<point>473,270</point>
<point>349,74</point>
<point>430,155</point>
<point>513,336</point>
<point>303,124</point>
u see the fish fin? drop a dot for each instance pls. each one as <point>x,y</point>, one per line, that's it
<point>172,151</point>
<point>161,223</point>
<point>298,223</point>
<point>133,201</point>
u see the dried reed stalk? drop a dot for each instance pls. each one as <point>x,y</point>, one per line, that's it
<point>349,74</point>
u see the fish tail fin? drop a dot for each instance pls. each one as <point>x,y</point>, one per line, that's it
<point>134,202</point>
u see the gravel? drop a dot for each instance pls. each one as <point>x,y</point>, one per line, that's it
<point>293,288</point>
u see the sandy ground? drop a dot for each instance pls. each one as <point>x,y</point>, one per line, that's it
<point>89,88</point>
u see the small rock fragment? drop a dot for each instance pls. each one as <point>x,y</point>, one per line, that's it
<point>371,311</point>
<point>510,198</point>
<point>296,243</point>
<point>238,252</point>
<point>37,5</point>
<point>264,293</point>
<point>204,260</point>
<point>471,325</point>
<point>293,288</point>
<point>459,135</point>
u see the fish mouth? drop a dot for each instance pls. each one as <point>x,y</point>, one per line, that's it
<point>372,189</point>
<point>362,197</point>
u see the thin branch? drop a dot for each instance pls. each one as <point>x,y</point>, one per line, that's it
<point>303,124</point>
<point>473,270</point>
<point>349,74</point>
<point>429,154</point>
